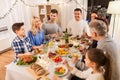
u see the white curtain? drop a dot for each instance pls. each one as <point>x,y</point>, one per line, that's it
<point>115,25</point>
<point>19,13</point>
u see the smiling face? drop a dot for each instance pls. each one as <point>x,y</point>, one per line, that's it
<point>21,31</point>
<point>53,16</point>
<point>37,23</point>
<point>77,15</point>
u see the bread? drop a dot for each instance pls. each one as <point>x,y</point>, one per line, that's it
<point>38,69</point>
<point>40,72</point>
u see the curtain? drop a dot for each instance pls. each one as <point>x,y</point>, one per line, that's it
<point>115,25</point>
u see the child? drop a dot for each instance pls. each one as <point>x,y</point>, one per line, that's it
<point>21,43</point>
<point>98,63</point>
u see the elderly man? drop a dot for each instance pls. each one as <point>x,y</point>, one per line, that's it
<point>98,31</point>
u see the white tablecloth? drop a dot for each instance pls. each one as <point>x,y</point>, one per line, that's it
<point>14,72</point>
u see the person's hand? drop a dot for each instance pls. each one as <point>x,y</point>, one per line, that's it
<point>66,63</point>
<point>81,48</point>
<point>41,46</point>
<point>19,55</point>
<point>55,77</point>
<point>52,36</point>
<point>74,59</point>
<point>28,53</point>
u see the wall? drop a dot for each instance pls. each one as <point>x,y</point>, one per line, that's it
<point>24,13</point>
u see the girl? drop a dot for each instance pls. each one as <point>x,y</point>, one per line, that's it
<point>36,34</point>
<point>98,63</point>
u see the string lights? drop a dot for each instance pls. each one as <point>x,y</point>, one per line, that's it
<point>26,4</point>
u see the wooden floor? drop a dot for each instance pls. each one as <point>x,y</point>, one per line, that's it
<point>5,58</point>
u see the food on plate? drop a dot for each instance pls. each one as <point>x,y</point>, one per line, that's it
<point>51,54</point>
<point>69,56</point>
<point>74,55</point>
<point>57,59</point>
<point>84,41</point>
<point>36,51</point>
<point>70,34</point>
<point>39,70</point>
<point>57,39</point>
<point>74,37</point>
<point>78,38</point>
<point>35,66</point>
<point>70,45</point>
<point>62,51</point>
<point>62,46</point>
<point>50,43</point>
<point>26,60</point>
<point>60,70</point>
<point>76,46</point>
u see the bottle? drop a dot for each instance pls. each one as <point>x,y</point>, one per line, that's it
<point>66,36</point>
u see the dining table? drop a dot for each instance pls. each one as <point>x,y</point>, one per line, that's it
<point>20,72</point>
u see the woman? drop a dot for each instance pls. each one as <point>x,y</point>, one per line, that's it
<point>36,34</point>
<point>98,63</point>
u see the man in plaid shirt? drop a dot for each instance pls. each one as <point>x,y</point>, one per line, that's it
<point>21,43</point>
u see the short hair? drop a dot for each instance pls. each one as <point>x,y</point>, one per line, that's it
<point>99,26</point>
<point>104,20</point>
<point>17,26</point>
<point>54,11</point>
<point>78,9</point>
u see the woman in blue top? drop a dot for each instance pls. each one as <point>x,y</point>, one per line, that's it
<point>36,34</point>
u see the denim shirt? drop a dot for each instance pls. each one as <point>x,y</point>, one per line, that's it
<point>36,40</point>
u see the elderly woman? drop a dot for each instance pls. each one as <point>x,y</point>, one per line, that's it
<point>36,34</point>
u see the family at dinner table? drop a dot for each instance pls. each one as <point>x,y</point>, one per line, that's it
<point>99,60</point>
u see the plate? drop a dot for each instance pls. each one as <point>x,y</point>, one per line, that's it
<point>20,62</point>
<point>60,70</point>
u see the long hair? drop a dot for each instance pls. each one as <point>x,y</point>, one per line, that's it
<point>102,59</point>
<point>34,28</point>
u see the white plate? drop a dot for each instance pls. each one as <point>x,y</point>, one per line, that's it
<point>66,70</point>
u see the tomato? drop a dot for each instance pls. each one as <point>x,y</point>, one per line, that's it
<point>58,59</point>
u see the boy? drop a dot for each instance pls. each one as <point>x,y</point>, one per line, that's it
<point>21,43</point>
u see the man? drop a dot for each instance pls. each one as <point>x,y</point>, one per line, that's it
<point>98,31</point>
<point>93,16</point>
<point>51,28</point>
<point>77,26</point>
<point>20,44</point>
